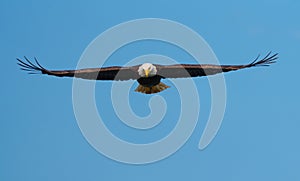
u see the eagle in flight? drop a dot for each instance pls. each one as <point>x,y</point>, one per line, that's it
<point>148,75</point>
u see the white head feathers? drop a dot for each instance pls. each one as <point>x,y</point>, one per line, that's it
<point>147,70</point>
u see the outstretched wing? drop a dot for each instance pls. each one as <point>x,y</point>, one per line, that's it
<point>105,73</point>
<point>197,70</point>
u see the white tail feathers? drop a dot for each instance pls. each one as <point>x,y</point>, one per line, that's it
<point>151,90</point>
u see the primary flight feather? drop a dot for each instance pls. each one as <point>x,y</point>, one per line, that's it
<point>148,75</point>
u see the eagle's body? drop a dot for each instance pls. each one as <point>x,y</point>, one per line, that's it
<point>148,75</point>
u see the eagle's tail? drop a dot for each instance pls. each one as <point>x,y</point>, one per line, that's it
<point>151,90</point>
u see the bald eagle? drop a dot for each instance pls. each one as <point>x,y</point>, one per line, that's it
<point>148,75</point>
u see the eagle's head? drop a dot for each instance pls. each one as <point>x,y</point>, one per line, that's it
<point>147,70</point>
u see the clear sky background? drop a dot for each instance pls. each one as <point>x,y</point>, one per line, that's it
<point>259,136</point>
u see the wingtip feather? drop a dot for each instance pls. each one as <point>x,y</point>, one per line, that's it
<point>266,61</point>
<point>27,65</point>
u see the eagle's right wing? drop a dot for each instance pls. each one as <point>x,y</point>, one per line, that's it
<point>105,73</point>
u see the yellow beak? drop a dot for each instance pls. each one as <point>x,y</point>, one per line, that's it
<point>147,72</point>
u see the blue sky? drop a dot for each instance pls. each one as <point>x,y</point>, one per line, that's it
<point>259,136</point>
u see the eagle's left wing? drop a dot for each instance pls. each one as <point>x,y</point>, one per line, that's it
<point>197,70</point>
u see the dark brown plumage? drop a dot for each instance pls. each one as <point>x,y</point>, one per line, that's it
<point>148,83</point>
